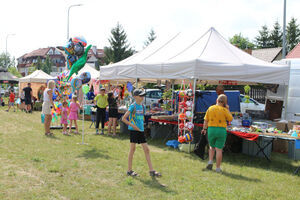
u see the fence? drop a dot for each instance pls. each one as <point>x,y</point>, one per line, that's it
<point>258,94</point>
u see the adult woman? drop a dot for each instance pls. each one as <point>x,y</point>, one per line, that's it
<point>48,105</point>
<point>215,123</point>
<point>112,113</point>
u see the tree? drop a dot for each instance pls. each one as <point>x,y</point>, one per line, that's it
<point>119,48</point>
<point>241,42</point>
<point>293,34</point>
<point>150,38</point>
<point>47,65</point>
<point>276,36</point>
<point>13,70</point>
<point>263,39</point>
<point>38,64</point>
<point>6,61</point>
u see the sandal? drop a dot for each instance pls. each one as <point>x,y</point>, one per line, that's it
<point>132,173</point>
<point>155,174</point>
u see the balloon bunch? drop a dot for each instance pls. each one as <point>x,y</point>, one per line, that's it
<point>74,50</point>
<point>62,85</point>
<point>185,124</point>
<point>56,113</point>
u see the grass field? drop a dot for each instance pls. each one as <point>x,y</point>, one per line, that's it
<point>33,166</point>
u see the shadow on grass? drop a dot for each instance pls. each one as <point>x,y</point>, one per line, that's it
<point>240,177</point>
<point>52,137</point>
<point>94,153</point>
<point>155,184</point>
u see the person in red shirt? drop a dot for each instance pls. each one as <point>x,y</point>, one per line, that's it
<point>11,102</point>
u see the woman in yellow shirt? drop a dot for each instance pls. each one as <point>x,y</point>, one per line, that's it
<point>215,123</point>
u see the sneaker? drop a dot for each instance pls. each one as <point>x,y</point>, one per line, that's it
<point>97,132</point>
<point>219,170</point>
<point>102,132</point>
<point>209,166</point>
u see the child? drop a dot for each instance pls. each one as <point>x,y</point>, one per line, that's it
<point>102,103</point>
<point>112,113</point>
<point>73,116</point>
<point>136,127</point>
<point>11,102</point>
<point>64,117</point>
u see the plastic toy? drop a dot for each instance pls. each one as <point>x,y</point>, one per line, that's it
<point>189,125</point>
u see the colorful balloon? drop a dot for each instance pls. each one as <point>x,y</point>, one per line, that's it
<point>85,89</point>
<point>76,83</point>
<point>188,137</point>
<point>85,77</point>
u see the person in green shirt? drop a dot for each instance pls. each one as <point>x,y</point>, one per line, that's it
<point>101,103</point>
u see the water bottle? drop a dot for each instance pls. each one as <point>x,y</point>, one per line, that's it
<point>42,118</point>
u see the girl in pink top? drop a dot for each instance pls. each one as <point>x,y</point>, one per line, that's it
<point>64,117</point>
<point>73,116</point>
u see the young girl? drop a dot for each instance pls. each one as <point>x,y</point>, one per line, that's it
<point>73,116</point>
<point>112,113</point>
<point>64,117</point>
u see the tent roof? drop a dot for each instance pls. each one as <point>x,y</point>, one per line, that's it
<point>87,68</point>
<point>7,77</point>
<point>37,76</point>
<point>183,56</point>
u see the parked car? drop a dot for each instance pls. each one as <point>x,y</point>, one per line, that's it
<point>152,96</point>
<point>252,105</point>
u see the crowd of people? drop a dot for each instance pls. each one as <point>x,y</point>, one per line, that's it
<point>215,120</point>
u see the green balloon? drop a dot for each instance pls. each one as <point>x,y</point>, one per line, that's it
<point>85,89</point>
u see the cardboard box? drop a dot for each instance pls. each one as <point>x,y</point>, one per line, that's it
<point>292,123</point>
<point>280,146</point>
<point>282,126</point>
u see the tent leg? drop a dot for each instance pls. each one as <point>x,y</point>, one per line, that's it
<point>193,106</point>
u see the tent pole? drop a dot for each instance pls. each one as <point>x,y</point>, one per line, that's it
<point>172,95</point>
<point>193,106</point>
<point>286,95</point>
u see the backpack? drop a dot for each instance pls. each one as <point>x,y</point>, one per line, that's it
<point>200,147</point>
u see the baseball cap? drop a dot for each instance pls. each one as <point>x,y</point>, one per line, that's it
<point>138,92</point>
<point>102,89</point>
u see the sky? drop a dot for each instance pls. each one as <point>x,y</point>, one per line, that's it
<point>43,23</point>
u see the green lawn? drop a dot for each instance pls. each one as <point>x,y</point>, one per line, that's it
<point>33,166</point>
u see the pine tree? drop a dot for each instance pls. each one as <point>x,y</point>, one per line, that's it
<point>119,48</point>
<point>276,36</point>
<point>293,34</point>
<point>47,65</point>
<point>150,38</point>
<point>263,39</point>
<point>241,42</point>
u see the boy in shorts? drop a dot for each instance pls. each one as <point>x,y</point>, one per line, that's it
<point>11,102</point>
<point>137,135</point>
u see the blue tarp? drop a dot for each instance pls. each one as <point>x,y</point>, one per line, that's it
<point>297,144</point>
<point>205,99</point>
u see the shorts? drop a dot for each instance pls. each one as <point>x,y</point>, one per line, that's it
<point>137,137</point>
<point>113,113</point>
<point>22,100</point>
<point>46,108</point>
<point>27,101</point>
<point>216,136</point>
<point>11,104</point>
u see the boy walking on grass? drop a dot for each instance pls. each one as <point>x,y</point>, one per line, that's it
<point>136,126</point>
<point>11,102</point>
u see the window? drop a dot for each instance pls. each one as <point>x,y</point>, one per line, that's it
<point>156,94</point>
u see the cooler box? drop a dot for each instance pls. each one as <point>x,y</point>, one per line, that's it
<point>294,149</point>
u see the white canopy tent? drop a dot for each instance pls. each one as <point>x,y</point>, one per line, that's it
<point>87,68</point>
<point>209,57</point>
<point>37,76</point>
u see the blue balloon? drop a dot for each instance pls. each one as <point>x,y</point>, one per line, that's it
<point>85,77</point>
<point>76,83</point>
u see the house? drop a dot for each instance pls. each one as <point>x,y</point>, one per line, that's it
<point>26,61</point>
<point>295,52</point>
<point>268,54</point>
<point>95,58</point>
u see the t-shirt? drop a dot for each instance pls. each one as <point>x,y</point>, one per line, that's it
<point>101,101</point>
<point>218,116</point>
<point>112,103</point>
<point>27,91</point>
<point>12,97</point>
<point>136,118</point>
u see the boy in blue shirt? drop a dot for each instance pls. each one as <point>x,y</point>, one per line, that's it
<point>135,124</point>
